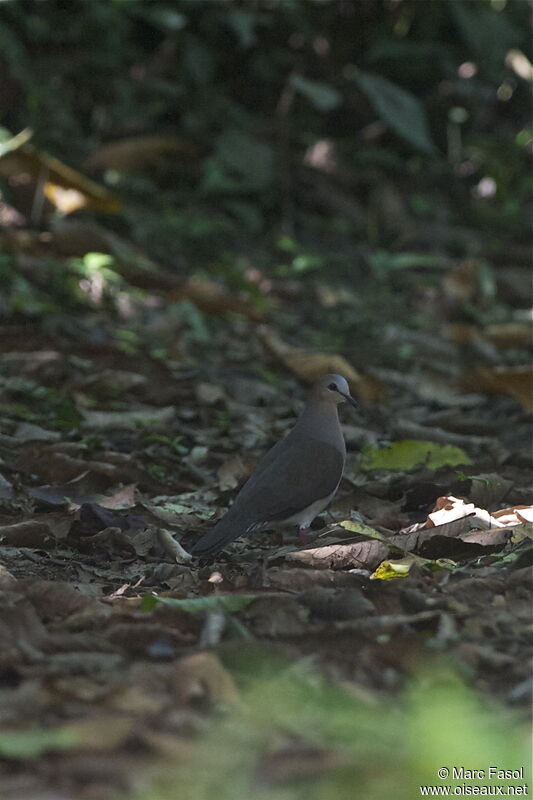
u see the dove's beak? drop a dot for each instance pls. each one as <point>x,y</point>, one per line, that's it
<point>349,399</point>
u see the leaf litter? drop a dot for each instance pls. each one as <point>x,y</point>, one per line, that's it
<point>119,650</point>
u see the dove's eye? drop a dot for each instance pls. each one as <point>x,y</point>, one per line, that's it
<point>333,387</point>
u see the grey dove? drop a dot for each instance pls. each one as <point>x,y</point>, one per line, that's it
<point>297,478</point>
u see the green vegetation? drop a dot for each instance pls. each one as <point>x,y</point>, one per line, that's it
<point>431,96</point>
<point>404,455</point>
<point>297,737</point>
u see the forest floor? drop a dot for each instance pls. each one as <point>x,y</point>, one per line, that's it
<point>129,422</point>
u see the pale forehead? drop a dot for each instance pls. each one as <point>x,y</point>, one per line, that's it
<point>338,380</point>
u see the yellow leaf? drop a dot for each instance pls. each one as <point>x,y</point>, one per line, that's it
<point>63,186</point>
<point>388,570</point>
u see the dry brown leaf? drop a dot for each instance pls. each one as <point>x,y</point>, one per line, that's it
<point>462,333</point>
<point>60,468</point>
<point>277,617</point>
<point>21,631</point>
<point>170,746</point>
<point>6,488</point>
<point>514,515</point>
<point>140,541</point>
<point>464,282</point>
<point>416,536</point>
<point>56,599</point>
<point>104,420</point>
<point>213,298</point>
<point>297,761</point>
<point>452,518</point>
<point>8,582</point>
<point>299,579</point>
<point>515,381</point>
<point>339,556</point>
<point>488,538</point>
<point>136,153</point>
<point>436,546</point>
<point>233,472</point>
<point>333,602</point>
<point>207,295</point>
<point>88,487</point>
<point>310,365</point>
<point>509,334</point>
<point>133,698</point>
<point>28,432</point>
<point>122,498</point>
<point>76,237</point>
<point>103,732</point>
<point>202,679</point>
<point>489,489</point>
<point>209,393</point>
<point>331,298</point>
<point>26,534</point>
<point>42,365</point>
<point>447,509</point>
<point>63,186</point>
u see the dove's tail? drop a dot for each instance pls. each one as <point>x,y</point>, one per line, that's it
<point>230,527</point>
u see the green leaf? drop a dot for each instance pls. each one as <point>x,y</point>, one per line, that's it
<point>192,605</point>
<point>407,454</point>
<point>188,313</point>
<point>168,19</point>
<point>322,96</point>
<point>250,158</point>
<point>398,108</point>
<point>30,744</point>
<point>363,530</point>
<point>243,25</point>
<point>405,50</point>
<point>386,261</point>
<point>198,60</point>
<point>488,33</point>
<point>246,213</point>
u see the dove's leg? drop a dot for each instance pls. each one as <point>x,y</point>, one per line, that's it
<point>304,534</point>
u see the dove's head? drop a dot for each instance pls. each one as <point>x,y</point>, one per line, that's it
<point>334,389</point>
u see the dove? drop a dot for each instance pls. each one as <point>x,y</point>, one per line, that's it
<point>297,478</point>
